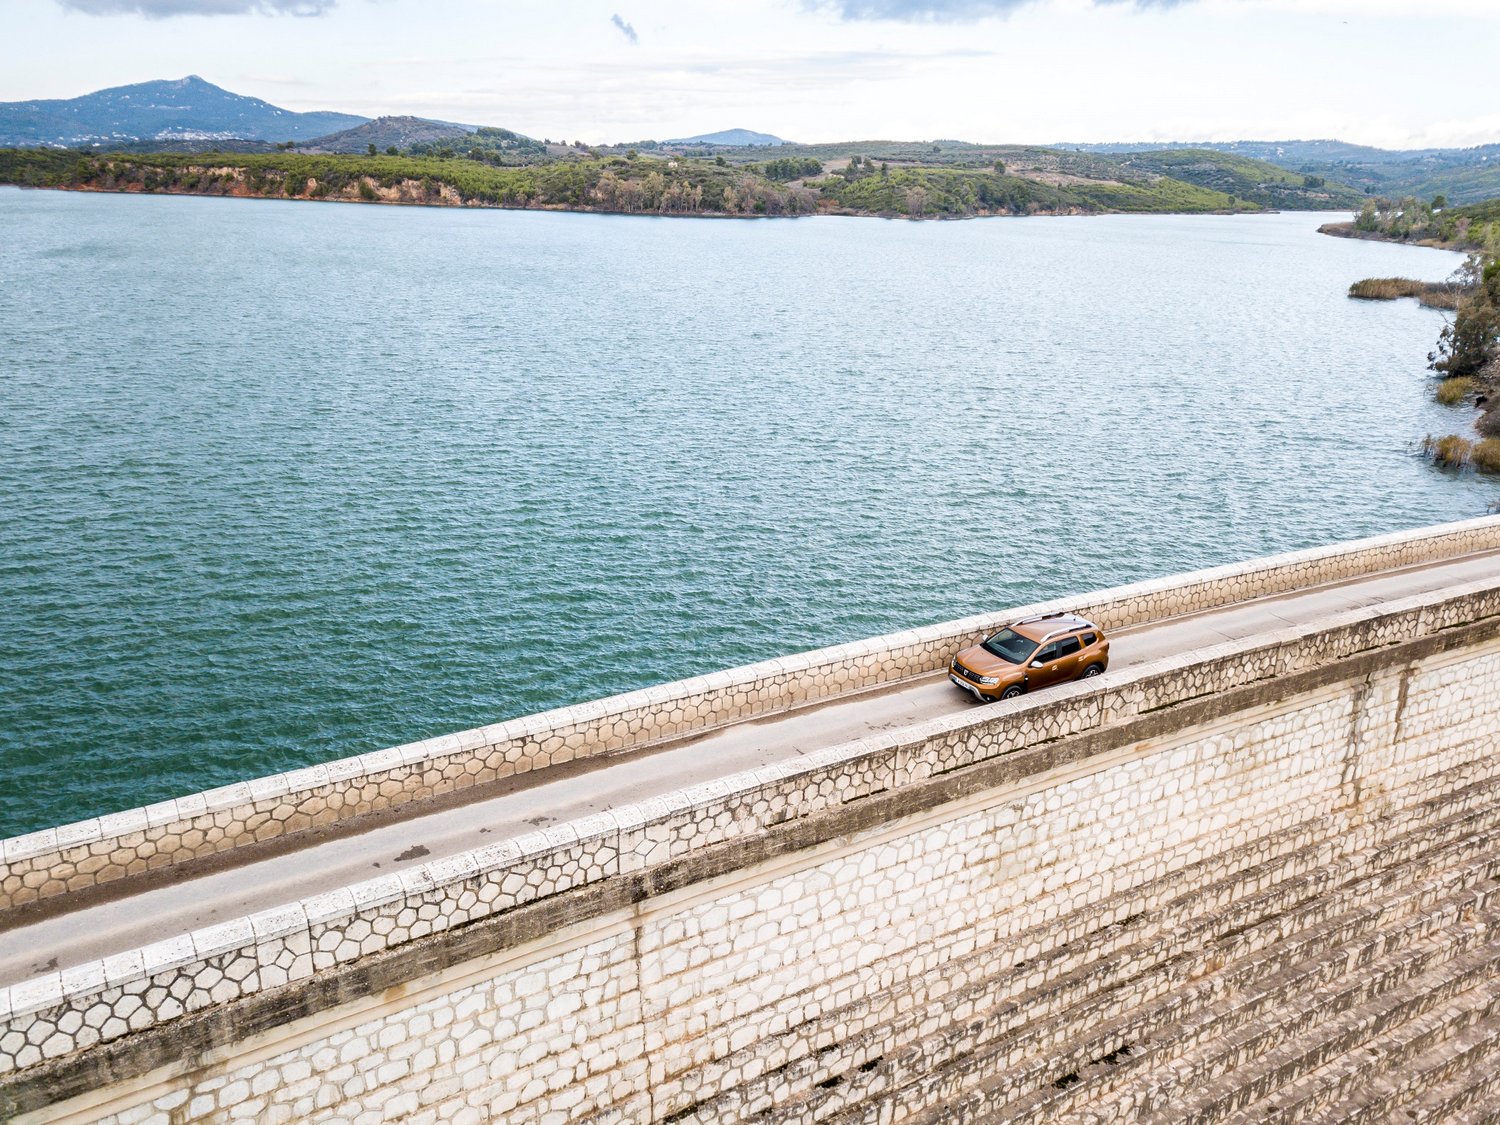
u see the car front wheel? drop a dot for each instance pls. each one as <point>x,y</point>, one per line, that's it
<point>1012,692</point>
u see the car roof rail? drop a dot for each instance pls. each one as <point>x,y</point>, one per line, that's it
<point>1081,622</point>
<point>1042,617</point>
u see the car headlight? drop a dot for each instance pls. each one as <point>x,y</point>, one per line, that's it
<point>989,681</point>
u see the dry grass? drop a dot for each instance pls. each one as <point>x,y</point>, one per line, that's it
<point>1454,452</point>
<point>1486,455</point>
<point>1451,392</point>
<point>1440,295</point>
<point>1385,288</point>
<point>1433,294</point>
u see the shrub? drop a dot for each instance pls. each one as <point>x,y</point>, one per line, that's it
<point>366,192</point>
<point>1472,341</point>
<point>1451,392</point>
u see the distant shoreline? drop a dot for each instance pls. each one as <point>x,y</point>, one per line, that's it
<point>436,205</point>
<point>1349,230</point>
<point>559,208</point>
<point>625,185</point>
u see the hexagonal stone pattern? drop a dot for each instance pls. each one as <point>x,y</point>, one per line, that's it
<point>58,860</point>
<point>926,964</point>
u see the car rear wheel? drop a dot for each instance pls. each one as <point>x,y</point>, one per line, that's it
<point>1092,670</point>
<point>1012,691</point>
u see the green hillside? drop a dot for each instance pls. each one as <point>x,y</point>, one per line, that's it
<point>1463,175</point>
<point>1240,176</point>
<point>1475,226</point>
<point>385,132</point>
<point>880,188</point>
<point>1058,173</point>
<point>630,183</point>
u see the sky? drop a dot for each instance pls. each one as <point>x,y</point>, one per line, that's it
<point>1393,73</point>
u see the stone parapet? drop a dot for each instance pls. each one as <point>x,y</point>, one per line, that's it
<point>82,1006</point>
<point>89,853</point>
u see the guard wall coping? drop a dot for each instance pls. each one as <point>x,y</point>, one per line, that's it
<point>631,838</point>
<point>282,803</point>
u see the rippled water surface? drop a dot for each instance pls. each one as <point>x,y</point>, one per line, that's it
<point>285,482</point>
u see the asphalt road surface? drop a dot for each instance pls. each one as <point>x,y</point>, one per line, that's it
<point>537,800</point>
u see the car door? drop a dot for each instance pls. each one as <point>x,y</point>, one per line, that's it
<point>1042,668</point>
<point>1059,661</point>
<point>1069,659</point>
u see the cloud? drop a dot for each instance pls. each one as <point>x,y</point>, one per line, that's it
<point>625,29</point>
<point>164,9</point>
<point>951,11</point>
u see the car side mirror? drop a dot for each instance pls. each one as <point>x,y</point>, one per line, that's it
<point>1037,664</point>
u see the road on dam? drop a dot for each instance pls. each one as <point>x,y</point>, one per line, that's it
<point>531,801</point>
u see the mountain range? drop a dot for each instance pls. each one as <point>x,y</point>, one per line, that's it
<point>1312,152</point>
<point>176,110</point>
<point>735,138</point>
<point>191,113</point>
<point>1464,175</point>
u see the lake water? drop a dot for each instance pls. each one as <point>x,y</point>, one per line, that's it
<point>284,482</point>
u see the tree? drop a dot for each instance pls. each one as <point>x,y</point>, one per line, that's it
<point>392,150</point>
<point>653,188</point>
<point>1369,218</point>
<point>1472,341</point>
<point>1439,202</point>
<point>608,189</point>
<point>371,148</point>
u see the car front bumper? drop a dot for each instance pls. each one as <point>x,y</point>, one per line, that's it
<point>972,688</point>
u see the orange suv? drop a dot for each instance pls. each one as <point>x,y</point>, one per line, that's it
<point>1031,654</point>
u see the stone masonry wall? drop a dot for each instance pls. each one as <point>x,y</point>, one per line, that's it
<point>964,954</point>
<point>81,855</point>
<point>86,1006</point>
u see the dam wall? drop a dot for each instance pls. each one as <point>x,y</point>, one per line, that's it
<point>1257,879</point>
<point>95,852</point>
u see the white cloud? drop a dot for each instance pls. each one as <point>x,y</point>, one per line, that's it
<point>1037,71</point>
<point>164,9</point>
<point>953,11</point>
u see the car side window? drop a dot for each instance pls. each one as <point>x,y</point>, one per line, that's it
<point>1048,654</point>
<point>1090,638</point>
<point>1067,646</point>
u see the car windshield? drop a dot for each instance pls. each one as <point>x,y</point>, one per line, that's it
<point>1010,645</point>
